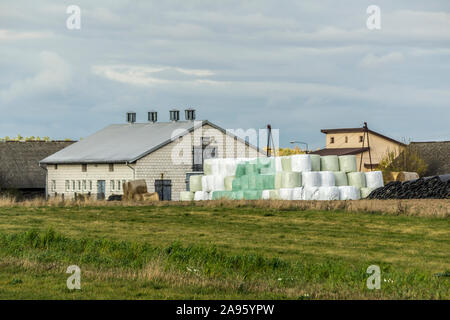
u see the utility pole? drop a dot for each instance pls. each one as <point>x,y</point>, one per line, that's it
<point>366,132</point>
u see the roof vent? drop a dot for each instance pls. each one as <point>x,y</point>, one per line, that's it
<point>153,116</point>
<point>189,114</point>
<point>174,115</point>
<point>131,117</point>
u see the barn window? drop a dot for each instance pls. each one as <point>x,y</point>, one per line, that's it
<point>90,185</point>
<point>112,185</point>
<point>361,138</point>
<point>56,167</point>
<point>67,185</point>
<point>84,184</point>
<point>111,167</point>
<point>84,167</point>
<point>53,185</point>
<point>332,140</point>
<point>346,139</point>
<point>118,185</point>
<point>73,184</point>
<point>79,184</point>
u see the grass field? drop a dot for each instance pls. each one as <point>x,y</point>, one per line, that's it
<point>205,252</point>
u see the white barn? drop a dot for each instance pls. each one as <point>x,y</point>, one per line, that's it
<point>165,154</point>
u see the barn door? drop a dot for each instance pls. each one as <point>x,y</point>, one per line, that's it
<point>101,189</point>
<point>164,189</point>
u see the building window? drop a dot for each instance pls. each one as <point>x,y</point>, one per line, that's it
<point>111,167</point>
<point>56,167</point>
<point>79,185</point>
<point>346,139</point>
<point>332,140</point>
<point>112,185</point>
<point>361,138</point>
<point>73,185</point>
<point>118,185</point>
<point>67,185</point>
<point>84,184</point>
<point>83,167</point>
<point>90,185</point>
<point>53,185</point>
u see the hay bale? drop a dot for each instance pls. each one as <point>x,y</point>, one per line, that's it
<point>407,176</point>
<point>153,196</point>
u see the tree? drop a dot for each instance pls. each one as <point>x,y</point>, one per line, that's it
<point>406,160</point>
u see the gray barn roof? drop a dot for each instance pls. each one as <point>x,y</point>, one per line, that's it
<point>19,163</point>
<point>120,143</point>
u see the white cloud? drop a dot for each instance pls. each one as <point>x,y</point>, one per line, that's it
<point>10,35</point>
<point>374,61</point>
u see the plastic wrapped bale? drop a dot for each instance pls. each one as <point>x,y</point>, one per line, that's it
<point>252,194</point>
<point>244,182</point>
<point>236,184</point>
<point>251,181</point>
<point>260,182</point>
<point>301,162</point>
<point>278,164</point>
<point>228,183</point>
<point>240,170</point>
<point>268,181</point>
<point>297,193</point>
<point>237,195</point>
<point>374,179</point>
<point>340,178</point>
<point>327,179</point>
<point>270,195</point>
<point>195,183</point>
<point>207,183</point>
<point>328,193</point>
<point>348,163</point>
<point>207,169</point>
<point>329,163</point>
<point>201,195</point>
<point>286,164</point>
<point>291,179</point>
<point>310,193</point>
<point>186,196</point>
<point>286,193</point>
<point>348,193</point>
<point>219,183</point>
<point>311,179</point>
<point>215,167</point>
<point>217,195</point>
<point>365,192</point>
<point>315,162</point>
<point>251,168</point>
<point>277,180</point>
<point>356,179</point>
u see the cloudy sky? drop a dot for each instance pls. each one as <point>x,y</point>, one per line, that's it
<point>298,65</point>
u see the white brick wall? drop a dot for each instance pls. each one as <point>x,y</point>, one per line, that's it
<point>157,165</point>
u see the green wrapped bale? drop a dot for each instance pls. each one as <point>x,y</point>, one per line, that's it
<point>329,163</point>
<point>286,164</point>
<point>240,170</point>
<point>356,179</point>
<point>217,195</point>
<point>252,181</point>
<point>340,178</point>
<point>207,168</point>
<point>236,184</point>
<point>195,183</point>
<point>244,182</point>
<point>315,162</point>
<point>228,183</point>
<point>269,170</point>
<point>270,195</point>
<point>237,195</point>
<point>186,196</point>
<point>259,182</point>
<point>252,194</point>
<point>251,168</point>
<point>291,180</point>
<point>268,181</point>
<point>348,163</point>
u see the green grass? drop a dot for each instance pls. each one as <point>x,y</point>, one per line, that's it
<point>196,252</point>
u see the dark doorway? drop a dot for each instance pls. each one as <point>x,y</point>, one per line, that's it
<point>101,189</point>
<point>164,189</point>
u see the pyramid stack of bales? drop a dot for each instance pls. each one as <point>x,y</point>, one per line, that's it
<point>295,177</point>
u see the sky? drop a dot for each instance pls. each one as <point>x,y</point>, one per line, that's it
<point>300,66</point>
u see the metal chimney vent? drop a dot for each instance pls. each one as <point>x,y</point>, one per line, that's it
<point>174,115</point>
<point>152,116</point>
<point>189,114</point>
<point>131,117</point>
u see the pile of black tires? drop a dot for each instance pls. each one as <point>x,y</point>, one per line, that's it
<point>436,187</point>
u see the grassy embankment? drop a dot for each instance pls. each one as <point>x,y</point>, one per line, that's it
<point>196,252</point>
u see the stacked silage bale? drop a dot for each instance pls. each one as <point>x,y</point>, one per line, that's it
<point>296,177</point>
